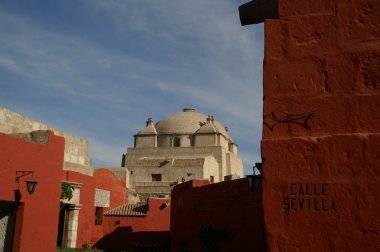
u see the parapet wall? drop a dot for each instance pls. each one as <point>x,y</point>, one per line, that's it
<point>75,157</point>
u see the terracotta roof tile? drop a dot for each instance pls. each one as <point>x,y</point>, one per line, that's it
<point>134,210</point>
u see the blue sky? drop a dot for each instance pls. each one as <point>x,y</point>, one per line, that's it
<point>99,68</point>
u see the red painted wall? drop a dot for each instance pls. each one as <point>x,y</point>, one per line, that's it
<point>86,217</point>
<point>101,179</point>
<point>37,216</point>
<point>321,141</point>
<point>106,180</point>
<point>222,210</point>
<point>121,232</point>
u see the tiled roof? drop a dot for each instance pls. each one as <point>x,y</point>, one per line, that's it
<point>136,210</point>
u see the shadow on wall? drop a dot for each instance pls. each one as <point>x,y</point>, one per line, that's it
<point>124,239</point>
<point>225,216</point>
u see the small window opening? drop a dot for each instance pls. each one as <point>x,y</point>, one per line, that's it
<point>156,177</point>
<point>211,179</point>
<point>98,216</point>
<point>176,142</point>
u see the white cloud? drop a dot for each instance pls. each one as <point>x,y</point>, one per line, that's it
<point>189,53</point>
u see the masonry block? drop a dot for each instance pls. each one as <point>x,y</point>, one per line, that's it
<point>369,71</point>
<point>369,115</point>
<point>341,156</point>
<point>288,8</point>
<point>311,35</point>
<point>357,21</point>
<point>274,47</point>
<point>296,158</point>
<point>341,73</point>
<point>310,116</point>
<point>302,37</point>
<point>289,78</point>
<point>372,155</point>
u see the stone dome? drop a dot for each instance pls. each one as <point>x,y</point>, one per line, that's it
<point>186,122</point>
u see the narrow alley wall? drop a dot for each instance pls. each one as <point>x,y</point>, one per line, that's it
<point>150,230</point>
<point>225,215</point>
<point>321,141</point>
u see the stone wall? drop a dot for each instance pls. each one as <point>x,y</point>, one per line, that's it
<point>218,152</point>
<point>321,129</point>
<point>76,157</point>
<point>211,168</point>
<point>204,140</point>
<point>143,141</point>
<point>172,171</point>
<point>235,164</point>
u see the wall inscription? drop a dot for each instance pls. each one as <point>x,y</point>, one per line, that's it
<point>309,197</point>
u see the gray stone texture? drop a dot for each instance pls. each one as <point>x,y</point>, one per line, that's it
<point>102,198</point>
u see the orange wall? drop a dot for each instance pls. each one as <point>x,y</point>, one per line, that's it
<point>37,216</point>
<point>228,208</point>
<point>321,171</point>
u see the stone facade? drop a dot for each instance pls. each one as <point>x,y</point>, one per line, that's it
<point>75,157</point>
<point>183,146</point>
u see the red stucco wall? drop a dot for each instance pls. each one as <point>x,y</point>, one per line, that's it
<point>229,211</point>
<point>37,216</point>
<point>321,141</point>
<point>105,179</point>
<point>152,230</point>
<point>86,217</point>
<point>101,179</point>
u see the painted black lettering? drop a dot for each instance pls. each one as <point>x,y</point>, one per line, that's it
<point>324,189</point>
<point>292,204</point>
<point>286,204</point>
<point>300,203</point>
<point>324,205</point>
<point>307,190</point>
<point>300,190</point>
<point>333,208</point>
<point>316,206</point>
<point>316,190</point>
<point>291,189</point>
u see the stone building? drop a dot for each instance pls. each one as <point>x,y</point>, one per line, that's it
<point>75,156</point>
<point>183,146</point>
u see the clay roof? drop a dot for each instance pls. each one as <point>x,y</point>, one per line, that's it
<point>131,210</point>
